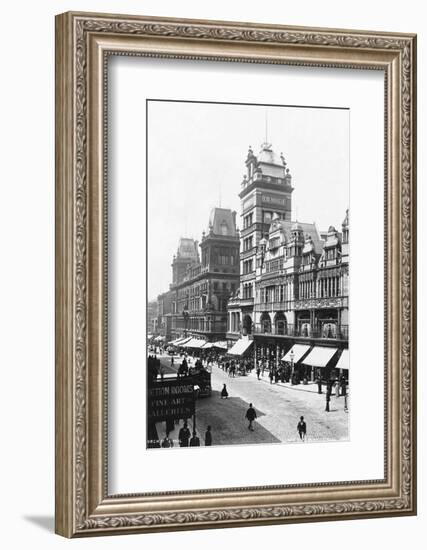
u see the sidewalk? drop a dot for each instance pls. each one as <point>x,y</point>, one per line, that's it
<point>278,406</point>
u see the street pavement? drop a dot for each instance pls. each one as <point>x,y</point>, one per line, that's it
<point>278,407</point>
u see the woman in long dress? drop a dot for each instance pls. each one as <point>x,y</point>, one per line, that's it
<point>224,392</point>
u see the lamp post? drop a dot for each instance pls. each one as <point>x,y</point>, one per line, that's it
<point>185,314</point>
<point>292,356</point>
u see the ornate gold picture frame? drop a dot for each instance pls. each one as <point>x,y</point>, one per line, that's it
<point>84,42</point>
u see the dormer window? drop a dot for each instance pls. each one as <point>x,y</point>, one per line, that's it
<point>274,243</point>
<point>224,228</point>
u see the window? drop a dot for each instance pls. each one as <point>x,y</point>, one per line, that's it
<point>267,217</point>
<point>247,221</point>
<point>274,243</point>
<point>247,266</point>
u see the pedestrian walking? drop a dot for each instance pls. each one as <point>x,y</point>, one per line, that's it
<point>167,441</point>
<point>319,383</point>
<point>337,389</point>
<point>208,437</point>
<point>224,392</point>
<point>251,416</point>
<point>195,441</point>
<point>302,428</point>
<point>328,398</point>
<point>172,361</point>
<point>258,372</point>
<point>346,402</point>
<point>343,385</point>
<point>271,375</point>
<point>184,435</point>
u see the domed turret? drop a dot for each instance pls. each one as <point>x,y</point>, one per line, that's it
<point>296,227</point>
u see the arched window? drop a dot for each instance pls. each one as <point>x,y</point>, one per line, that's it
<point>280,324</point>
<point>265,323</point>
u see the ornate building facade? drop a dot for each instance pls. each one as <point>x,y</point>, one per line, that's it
<point>294,280</point>
<point>202,283</point>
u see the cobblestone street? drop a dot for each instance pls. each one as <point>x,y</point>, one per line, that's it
<point>278,407</point>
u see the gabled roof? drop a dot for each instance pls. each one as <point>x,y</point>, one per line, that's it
<point>307,229</point>
<point>222,221</point>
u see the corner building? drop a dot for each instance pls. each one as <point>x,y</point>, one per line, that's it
<point>202,283</point>
<point>293,280</point>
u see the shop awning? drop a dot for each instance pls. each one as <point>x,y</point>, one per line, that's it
<point>299,351</point>
<point>219,345</point>
<point>180,341</point>
<point>240,347</point>
<point>194,343</point>
<point>344,360</point>
<point>176,341</point>
<point>319,357</point>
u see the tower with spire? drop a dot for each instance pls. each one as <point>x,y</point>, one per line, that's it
<point>266,195</point>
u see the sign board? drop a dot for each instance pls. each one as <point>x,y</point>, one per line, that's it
<point>171,399</point>
<point>273,199</point>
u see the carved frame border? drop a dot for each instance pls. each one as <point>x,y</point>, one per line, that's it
<point>83,41</point>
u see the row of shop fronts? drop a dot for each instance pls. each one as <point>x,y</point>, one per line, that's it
<point>308,360</point>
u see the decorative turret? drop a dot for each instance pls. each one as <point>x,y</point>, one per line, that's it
<point>186,256</point>
<point>345,228</point>
<point>332,248</point>
<point>288,178</point>
<point>296,240</point>
<point>345,237</point>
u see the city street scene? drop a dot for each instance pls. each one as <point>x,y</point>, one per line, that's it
<point>247,275</point>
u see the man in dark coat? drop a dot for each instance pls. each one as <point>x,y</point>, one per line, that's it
<point>194,441</point>
<point>208,437</point>
<point>302,428</point>
<point>250,415</point>
<point>184,435</point>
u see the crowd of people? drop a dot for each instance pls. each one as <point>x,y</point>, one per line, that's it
<point>186,438</point>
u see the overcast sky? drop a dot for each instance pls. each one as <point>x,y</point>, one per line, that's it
<point>196,161</point>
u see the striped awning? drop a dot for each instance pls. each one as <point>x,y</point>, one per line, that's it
<point>181,341</point>
<point>299,351</point>
<point>344,360</point>
<point>319,356</point>
<point>241,347</point>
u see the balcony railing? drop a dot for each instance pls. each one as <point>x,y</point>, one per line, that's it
<point>247,276</point>
<point>339,333</point>
<point>273,306</point>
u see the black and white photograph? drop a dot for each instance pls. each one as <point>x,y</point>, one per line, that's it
<point>248,256</point>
